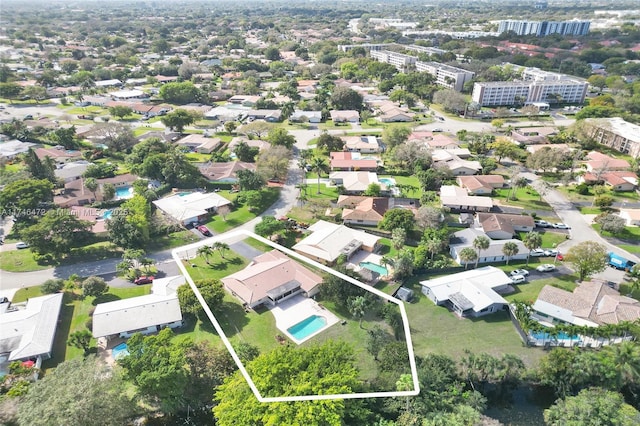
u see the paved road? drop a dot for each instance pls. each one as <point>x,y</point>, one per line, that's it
<point>581,230</point>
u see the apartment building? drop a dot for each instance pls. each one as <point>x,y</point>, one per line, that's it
<point>544,28</point>
<point>446,75</point>
<point>616,133</point>
<point>423,49</point>
<point>537,86</point>
<point>366,46</point>
<point>399,60</point>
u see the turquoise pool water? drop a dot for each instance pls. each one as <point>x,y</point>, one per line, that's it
<point>124,192</point>
<point>375,268</point>
<point>120,351</point>
<point>307,327</point>
<point>387,181</point>
<point>107,214</point>
<point>546,336</point>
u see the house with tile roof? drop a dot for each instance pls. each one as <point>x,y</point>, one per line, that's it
<point>224,172</point>
<point>620,181</point>
<point>271,278</point>
<point>631,216</point>
<point>471,293</point>
<point>359,210</point>
<point>355,183</point>
<point>598,162</point>
<point>480,184</point>
<point>592,303</point>
<point>362,144</point>
<point>328,241</point>
<point>500,226</point>
<point>344,116</point>
<point>348,161</point>
<point>457,165</point>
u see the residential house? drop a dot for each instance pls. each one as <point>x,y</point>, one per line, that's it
<point>598,163</point>
<point>328,241</point>
<point>94,216</point>
<point>362,144</point>
<point>270,115</point>
<point>253,143</point>
<point>200,143</point>
<point>11,149</point>
<point>537,147</point>
<point>122,95</point>
<point>355,182</point>
<point>394,114</point>
<point>143,314</point>
<point>592,303</point>
<point>359,210</point>
<point>191,208</point>
<point>71,171</point>
<point>457,165</point>
<point>28,329</point>
<point>348,161</point>
<point>480,184</point>
<point>421,135</point>
<point>631,216</point>
<point>245,100</point>
<point>270,279</point>
<point>471,293</point>
<point>59,154</point>
<point>500,226</point>
<point>108,83</point>
<point>345,116</point>
<point>74,193</point>
<point>533,135</point>
<point>228,112</point>
<point>440,141</point>
<point>225,172</point>
<point>463,239</point>
<point>457,198</point>
<point>299,116</point>
<point>620,181</point>
<point>118,181</point>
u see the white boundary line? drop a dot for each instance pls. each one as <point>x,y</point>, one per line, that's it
<point>234,355</point>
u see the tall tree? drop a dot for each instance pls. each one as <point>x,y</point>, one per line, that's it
<point>592,407</point>
<point>24,198</point>
<point>468,255</point>
<point>358,308</point>
<point>481,243</point>
<point>273,163</point>
<point>344,98</point>
<point>40,169</point>
<point>510,249</point>
<point>279,136</point>
<point>178,119</point>
<point>82,392</point>
<point>319,165</point>
<point>56,233</point>
<point>587,258</point>
<point>532,240</point>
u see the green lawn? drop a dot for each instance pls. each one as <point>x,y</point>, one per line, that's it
<point>217,267</point>
<point>20,261</point>
<point>407,180</point>
<point>173,240</point>
<point>526,198</point>
<point>240,214</point>
<point>618,197</point>
<point>329,124</point>
<point>550,239</point>
<point>590,210</point>
<point>301,214</point>
<point>330,193</point>
<point>630,233</point>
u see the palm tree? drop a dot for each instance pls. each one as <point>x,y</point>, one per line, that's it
<point>221,248</point>
<point>468,255</point>
<point>146,263</point>
<point>205,251</point>
<point>520,182</point>
<point>286,110</point>
<point>481,243</point>
<point>318,165</point>
<point>433,245</point>
<point>532,241</point>
<point>626,357</point>
<point>510,249</point>
<point>357,308</point>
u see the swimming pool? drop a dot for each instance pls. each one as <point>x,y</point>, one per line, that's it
<point>107,214</point>
<point>124,192</point>
<point>120,351</point>
<point>375,268</point>
<point>387,181</point>
<point>307,327</point>
<point>539,335</point>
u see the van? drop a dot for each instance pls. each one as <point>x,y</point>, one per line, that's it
<point>518,279</point>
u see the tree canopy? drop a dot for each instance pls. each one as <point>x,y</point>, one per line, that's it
<point>588,257</point>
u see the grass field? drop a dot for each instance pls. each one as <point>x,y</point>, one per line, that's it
<point>217,267</point>
<point>330,193</point>
<point>20,261</point>
<point>173,240</point>
<point>527,198</point>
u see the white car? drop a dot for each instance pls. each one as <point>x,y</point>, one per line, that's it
<point>518,279</point>
<point>537,252</point>
<point>542,223</point>
<point>551,252</point>
<point>22,245</point>
<point>560,226</point>
<point>522,272</point>
<point>547,267</point>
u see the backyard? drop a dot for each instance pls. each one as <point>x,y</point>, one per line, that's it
<point>527,198</point>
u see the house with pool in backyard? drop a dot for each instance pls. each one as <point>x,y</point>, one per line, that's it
<point>285,287</point>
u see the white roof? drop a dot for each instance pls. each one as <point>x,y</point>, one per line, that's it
<point>452,195</point>
<point>134,93</point>
<point>476,286</point>
<point>554,311</point>
<point>27,333</point>
<point>183,207</point>
<point>160,307</point>
<point>103,83</point>
<point>14,147</point>
<point>328,239</point>
<point>76,168</point>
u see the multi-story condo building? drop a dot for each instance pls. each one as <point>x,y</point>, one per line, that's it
<point>544,28</point>
<point>366,46</point>
<point>423,49</point>
<point>399,60</point>
<point>537,87</point>
<point>616,133</point>
<point>445,75</point>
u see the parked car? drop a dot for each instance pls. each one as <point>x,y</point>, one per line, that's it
<point>22,245</point>
<point>522,272</point>
<point>204,230</point>
<point>518,279</point>
<point>143,280</point>
<point>537,252</point>
<point>551,252</point>
<point>542,223</point>
<point>560,257</point>
<point>560,226</point>
<point>547,267</point>
<point>437,129</point>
